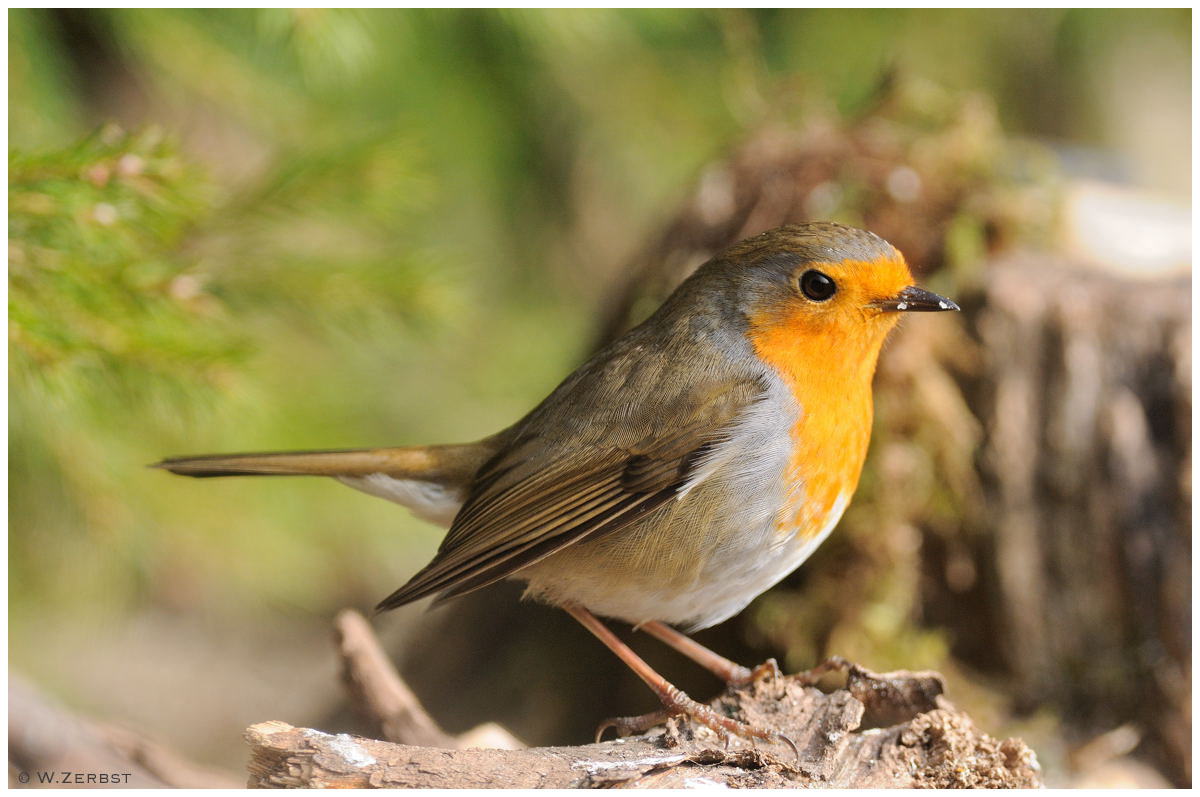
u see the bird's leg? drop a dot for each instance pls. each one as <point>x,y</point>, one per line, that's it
<point>674,700</point>
<point>730,672</point>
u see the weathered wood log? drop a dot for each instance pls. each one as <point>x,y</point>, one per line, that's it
<point>890,730</point>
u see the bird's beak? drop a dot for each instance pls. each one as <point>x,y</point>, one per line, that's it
<point>914,299</point>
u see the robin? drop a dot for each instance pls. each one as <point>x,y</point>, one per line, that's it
<point>679,473</point>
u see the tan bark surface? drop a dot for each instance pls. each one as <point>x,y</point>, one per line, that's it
<point>839,737</point>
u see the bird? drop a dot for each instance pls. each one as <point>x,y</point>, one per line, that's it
<point>681,471</point>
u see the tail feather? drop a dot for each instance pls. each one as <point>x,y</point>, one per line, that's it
<point>452,464</point>
<point>428,462</point>
<point>432,481</point>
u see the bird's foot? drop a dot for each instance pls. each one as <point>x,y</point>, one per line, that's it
<point>678,703</point>
<point>628,726</point>
<point>744,676</point>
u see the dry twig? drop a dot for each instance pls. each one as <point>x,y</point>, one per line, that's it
<point>377,687</point>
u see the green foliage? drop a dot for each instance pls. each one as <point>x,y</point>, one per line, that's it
<point>99,296</point>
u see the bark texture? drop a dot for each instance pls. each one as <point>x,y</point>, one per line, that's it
<point>890,730</point>
<point>1081,529</point>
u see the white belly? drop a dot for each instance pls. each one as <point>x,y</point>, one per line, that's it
<point>734,581</point>
<point>730,578</point>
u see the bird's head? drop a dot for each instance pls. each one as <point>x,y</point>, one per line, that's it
<point>822,291</point>
<point>824,279</point>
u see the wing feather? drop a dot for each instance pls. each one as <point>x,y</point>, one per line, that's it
<point>533,498</point>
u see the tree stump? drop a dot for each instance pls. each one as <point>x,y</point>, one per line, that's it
<point>1080,534</point>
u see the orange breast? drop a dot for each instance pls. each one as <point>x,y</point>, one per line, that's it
<point>830,379</point>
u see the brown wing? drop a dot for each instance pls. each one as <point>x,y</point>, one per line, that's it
<point>530,501</point>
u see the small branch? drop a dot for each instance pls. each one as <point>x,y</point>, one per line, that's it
<point>931,744</point>
<point>377,687</point>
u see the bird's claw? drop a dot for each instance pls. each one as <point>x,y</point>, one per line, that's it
<point>725,727</point>
<point>767,671</point>
<point>795,750</point>
<point>628,726</point>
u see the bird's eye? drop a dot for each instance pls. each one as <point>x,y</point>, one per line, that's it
<point>817,286</point>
